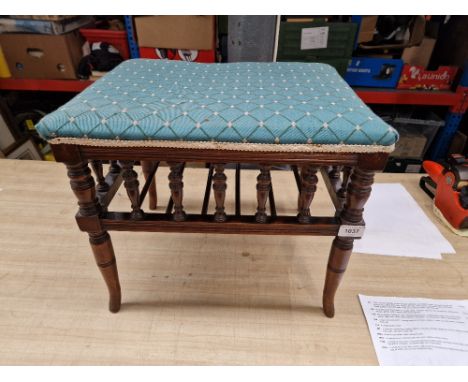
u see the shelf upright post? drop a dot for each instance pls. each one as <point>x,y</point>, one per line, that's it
<point>131,37</point>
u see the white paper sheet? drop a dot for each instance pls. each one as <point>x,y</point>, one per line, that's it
<point>397,226</point>
<point>417,331</point>
<point>314,38</point>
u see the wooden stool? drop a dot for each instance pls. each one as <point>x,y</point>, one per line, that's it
<point>307,126</point>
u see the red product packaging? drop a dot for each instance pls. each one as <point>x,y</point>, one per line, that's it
<point>205,56</point>
<point>416,77</point>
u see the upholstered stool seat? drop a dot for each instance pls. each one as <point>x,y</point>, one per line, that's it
<point>241,106</point>
<point>302,115</point>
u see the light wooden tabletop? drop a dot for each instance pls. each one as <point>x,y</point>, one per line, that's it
<point>191,298</point>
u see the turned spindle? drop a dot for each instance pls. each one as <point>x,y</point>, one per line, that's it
<point>219,190</point>
<point>263,190</point>
<point>306,195</point>
<point>176,186</point>
<point>131,184</point>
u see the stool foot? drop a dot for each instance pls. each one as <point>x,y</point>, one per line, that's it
<point>339,257</point>
<point>104,254</point>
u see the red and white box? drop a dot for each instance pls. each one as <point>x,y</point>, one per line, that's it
<point>192,55</point>
<point>416,77</point>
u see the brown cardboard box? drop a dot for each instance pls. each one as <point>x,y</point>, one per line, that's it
<point>367,28</point>
<point>176,32</point>
<point>42,56</point>
<point>419,55</point>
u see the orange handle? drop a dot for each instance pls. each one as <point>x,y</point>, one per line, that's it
<point>434,169</point>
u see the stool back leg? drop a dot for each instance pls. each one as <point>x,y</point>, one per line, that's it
<point>153,197</point>
<point>263,190</point>
<point>102,186</point>
<point>83,186</point>
<point>334,173</point>
<point>358,192</point>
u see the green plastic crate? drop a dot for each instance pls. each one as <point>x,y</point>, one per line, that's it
<point>340,45</point>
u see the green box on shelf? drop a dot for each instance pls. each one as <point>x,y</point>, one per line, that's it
<point>335,48</point>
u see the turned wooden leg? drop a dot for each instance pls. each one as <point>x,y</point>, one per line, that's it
<point>104,254</point>
<point>308,187</point>
<point>176,186</point>
<point>219,190</point>
<point>263,190</point>
<point>82,184</point>
<point>131,184</point>
<point>357,194</point>
<point>102,186</point>
<point>153,199</point>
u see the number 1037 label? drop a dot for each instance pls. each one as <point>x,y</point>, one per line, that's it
<point>351,231</point>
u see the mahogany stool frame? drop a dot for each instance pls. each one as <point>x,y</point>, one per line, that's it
<point>348,177</point>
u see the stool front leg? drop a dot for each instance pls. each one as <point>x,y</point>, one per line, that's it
<point>358,192</point>
<point>83,186</point>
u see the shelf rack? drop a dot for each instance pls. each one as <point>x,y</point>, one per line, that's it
<point>456,101</point>
<point>368,95</point>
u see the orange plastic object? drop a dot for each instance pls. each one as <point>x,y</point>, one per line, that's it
<point>447,198</point>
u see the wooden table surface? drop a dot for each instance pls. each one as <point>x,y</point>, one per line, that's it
<point>192,298</point>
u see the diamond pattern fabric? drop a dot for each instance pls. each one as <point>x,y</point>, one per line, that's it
<point>273,103</point>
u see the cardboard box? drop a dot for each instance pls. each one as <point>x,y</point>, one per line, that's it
<point>8,25</point>
<point>416,77</point>
<point>419,55</point>
<point>42,56</point>
<point>374,72</point>
<point>190,55</point>
<point>367,28</point>
<point>176,32</point>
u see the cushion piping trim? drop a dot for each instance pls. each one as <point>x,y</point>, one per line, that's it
<point>230,146</point>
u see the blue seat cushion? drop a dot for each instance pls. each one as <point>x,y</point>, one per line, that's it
<point>146,101</point>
